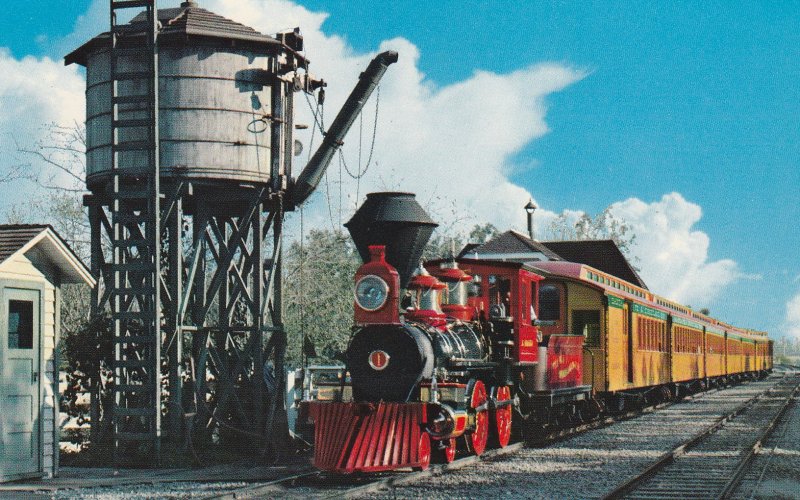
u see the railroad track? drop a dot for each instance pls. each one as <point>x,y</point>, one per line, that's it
<point>766,464</point>
<point>563,434</point>
<point>322,485</point>
<point>312,483</point>
<point>713,462</point>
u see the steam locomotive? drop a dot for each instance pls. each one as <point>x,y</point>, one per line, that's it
<point>461,361</point>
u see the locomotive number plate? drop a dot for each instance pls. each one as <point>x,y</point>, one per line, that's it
<point>378,360</point>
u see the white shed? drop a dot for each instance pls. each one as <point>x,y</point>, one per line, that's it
<point>34,262</point>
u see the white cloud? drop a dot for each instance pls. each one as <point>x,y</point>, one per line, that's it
<point>793,316</point>
<point>673,255</point>
<point>34,93</point>
<point>452,145</point>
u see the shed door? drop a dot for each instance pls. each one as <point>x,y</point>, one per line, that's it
<point>19,406</point>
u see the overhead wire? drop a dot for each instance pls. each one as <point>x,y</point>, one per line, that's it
<point>318,112</point>
<point>318,116</point>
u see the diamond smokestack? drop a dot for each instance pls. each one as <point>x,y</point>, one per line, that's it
<point>396,221</point>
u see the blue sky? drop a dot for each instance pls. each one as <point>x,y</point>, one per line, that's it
<point>695,98</point>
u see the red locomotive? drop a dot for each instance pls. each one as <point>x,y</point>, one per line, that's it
<point>453,359</point>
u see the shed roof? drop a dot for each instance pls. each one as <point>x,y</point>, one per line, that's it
<point>24,238</point>
<point>178,24</point>
<point>15,236</point>
<point>603,255</point>
<point>512,246</point>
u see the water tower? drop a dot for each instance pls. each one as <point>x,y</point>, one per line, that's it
<point>189,128</point>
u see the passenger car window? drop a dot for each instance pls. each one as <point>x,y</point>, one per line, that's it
<point>587,323</point>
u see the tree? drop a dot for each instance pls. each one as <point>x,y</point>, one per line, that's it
<point>56,165</point>
<point>603,226</point>
<point>318,294</point>
<point>442,245</point>
<point>483,233</point>
<point>445,243</point>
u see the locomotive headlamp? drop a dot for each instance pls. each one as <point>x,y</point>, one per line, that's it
<point>371,292</point>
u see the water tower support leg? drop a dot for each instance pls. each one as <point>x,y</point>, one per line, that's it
<point>174,325</point>
<point>257,317</point>
<point>97,262</point>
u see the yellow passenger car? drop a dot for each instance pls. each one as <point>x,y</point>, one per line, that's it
<point>639,344</point>
<point>734,363</point>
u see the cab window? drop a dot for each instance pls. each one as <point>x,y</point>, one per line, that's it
<point>500,293</point>
<point>549,303</point>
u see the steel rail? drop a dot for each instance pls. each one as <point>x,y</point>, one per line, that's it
<point>743,466</point>
<point>768,462</point>
<point>262,489</point>
<point>282,485</point>
<point>547,439</point>
<point>438,470</point>
<point>433,471</point>
<point>669,457</point>
<point>562,434</point>
<point>382,482</point>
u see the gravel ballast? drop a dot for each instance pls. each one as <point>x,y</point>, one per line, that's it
<point>587,465</point>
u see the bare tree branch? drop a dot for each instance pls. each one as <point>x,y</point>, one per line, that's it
<point>603,226</point>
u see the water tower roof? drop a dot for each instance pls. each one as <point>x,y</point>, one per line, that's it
<point>181,24</point>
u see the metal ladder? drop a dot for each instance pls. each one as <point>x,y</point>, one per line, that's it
<point>135,288</point>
